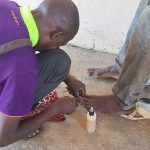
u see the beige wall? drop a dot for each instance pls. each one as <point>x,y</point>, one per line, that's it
<point>104,23</point>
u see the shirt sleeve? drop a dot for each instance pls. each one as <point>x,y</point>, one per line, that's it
<point>18,95</point>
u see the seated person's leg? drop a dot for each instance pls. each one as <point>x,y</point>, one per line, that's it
<point>112,71</point>
<point>134,75</point>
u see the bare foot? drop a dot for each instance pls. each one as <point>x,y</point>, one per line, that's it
<point>102,73</point>
<point>104,104</point>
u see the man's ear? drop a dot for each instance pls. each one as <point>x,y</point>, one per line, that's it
<point>57,35</point>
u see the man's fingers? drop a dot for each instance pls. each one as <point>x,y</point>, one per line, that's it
<point>84,99</point>
<point>77,93</point>
<point>78,99</point>
<point>76,102</point>
<point>90,71</point>
<point>82,91</point>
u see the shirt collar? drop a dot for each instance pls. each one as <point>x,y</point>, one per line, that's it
<point>30,24</point>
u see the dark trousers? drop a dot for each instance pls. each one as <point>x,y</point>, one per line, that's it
<point>54,66</point>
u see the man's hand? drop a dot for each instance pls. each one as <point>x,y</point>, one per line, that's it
<point>75,87</point>
<point>67,105</point>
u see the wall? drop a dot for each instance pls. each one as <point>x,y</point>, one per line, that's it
<point>104,23</point>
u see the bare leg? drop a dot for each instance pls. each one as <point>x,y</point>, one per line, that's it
<point>134,75</point>
<point>112,71</point>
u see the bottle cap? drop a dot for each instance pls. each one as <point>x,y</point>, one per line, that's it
<point>91,111</point>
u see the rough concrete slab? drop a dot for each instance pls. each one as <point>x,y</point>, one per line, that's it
<point>113,133</point>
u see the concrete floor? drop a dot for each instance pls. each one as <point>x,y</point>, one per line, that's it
<point>113,133</point>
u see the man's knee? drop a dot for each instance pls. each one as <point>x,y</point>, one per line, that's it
<point>59,61</point>
<point>54,63</point>
<point>63,60</point>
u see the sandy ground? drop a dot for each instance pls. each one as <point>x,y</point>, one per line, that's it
<point>113,133</point>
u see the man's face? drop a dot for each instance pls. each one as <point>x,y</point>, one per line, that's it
<point>51,41</point>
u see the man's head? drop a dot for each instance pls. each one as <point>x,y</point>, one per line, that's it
<point>57,22</point>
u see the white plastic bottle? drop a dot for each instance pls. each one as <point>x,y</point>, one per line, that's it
<point>91,121</point>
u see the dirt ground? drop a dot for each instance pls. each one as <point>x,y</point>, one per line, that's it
<point>113,133</point>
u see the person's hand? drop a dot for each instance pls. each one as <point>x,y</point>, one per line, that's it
<point>75,87</point>
<point>67,105</point>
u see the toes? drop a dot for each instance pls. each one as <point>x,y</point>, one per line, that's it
<point>29,136</point>
<point>82,103</point>
<point>87,99</point>
<point>36,132</point>
<point>87,106</point>
<point>33,134</point>
<point>90,71</point>
<point>88,102</point>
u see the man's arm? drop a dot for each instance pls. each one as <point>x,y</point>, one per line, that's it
<point>75,87</point>
<point>13,129</point>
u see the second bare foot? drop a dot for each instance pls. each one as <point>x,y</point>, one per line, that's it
<point>104,104</point>
<point>102,73</point>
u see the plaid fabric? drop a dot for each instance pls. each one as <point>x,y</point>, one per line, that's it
<point>44,104</point>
